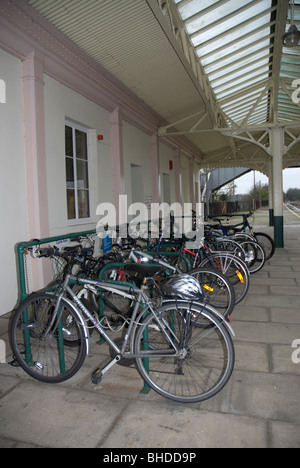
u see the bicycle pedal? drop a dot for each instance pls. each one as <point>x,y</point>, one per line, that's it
<point>97,376</point>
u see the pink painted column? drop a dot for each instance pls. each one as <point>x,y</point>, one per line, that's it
<point>155,168</point>
<point>35,159</point>
<point>118,165</point>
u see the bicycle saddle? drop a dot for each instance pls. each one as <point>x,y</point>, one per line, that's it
<point>139,271</point>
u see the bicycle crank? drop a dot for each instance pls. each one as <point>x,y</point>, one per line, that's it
<point>98,374</point>
<point>126,362</point>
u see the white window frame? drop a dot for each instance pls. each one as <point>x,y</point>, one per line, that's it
<point>82,128</point>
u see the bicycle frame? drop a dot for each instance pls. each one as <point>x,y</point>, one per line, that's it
<point>125,291</point>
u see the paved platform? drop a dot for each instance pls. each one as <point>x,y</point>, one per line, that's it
<point>259,407</point>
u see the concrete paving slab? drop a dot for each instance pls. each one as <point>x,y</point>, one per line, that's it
<point>264,332</point>
<point>272,300</point>
<point>265,396</point>
<point>289,274</point>
<point>184,427</point>
<point>287,316</point>
<point>284,435</point>
<point>250,313</point>
<point>55,416</point>
<point>285,290</point>
<point>274,282</point>
<point>252,356</point>
<point>282,359</point>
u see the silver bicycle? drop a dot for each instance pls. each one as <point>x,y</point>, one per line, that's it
<point>181,347</point>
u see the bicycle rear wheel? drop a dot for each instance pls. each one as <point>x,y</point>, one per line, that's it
<point>204,361</point>
<point>216,289</point>
<point>53,358</point>
<point>266,242</point>
<point>233,268</point>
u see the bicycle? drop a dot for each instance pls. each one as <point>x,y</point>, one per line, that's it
<point>233,268</point>
<point>215,288</point>
<point>242,245</point>
<point>182,348</point>
<point>245,229</point>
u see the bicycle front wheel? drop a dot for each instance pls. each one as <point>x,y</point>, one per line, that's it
<point>182,360</point>
<point>51,357</point>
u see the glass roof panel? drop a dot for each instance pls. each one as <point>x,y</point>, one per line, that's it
<point>241,68</point>
<point>219,48</point>
<point>239,59</point>
<point>289,71</point>
<point>243,83</point>
<point>193,7</point>
<point>232,31</point>
<point>206,20</point>
<point>234,42</point>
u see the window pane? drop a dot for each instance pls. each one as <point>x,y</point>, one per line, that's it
<point>70,172</point>
<point>83,204</point>
<point>82,174</point>
<point>68,141</point>
<point>71,204</point>
<point>81,144</point>
<point>77,176</point>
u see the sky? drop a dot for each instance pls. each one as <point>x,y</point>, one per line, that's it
<point>291,179</point>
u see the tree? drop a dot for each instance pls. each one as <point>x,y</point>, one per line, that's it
<point>226,193</point>
<point>259,192</point>
<point>293,194</point>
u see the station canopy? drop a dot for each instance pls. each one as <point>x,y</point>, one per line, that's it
<point>218,72</point>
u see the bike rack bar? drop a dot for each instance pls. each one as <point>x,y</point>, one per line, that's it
<point>22,246</point>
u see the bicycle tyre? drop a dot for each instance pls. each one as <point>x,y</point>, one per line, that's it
<point>48,359</point>
<point>206,359</point>
<point>222,244</point>
<point>233,268</point>
<point>267,243</point>
<point>216,289</point>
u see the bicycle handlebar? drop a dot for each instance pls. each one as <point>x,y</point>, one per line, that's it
<point>45,252</point>
<point>150,257</point>
<point>74,251</point>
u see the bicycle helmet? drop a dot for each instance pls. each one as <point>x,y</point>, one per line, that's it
<point>181,286</point>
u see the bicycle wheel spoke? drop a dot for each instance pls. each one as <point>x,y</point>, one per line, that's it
<point>204,358</point>
<point>53,356</point>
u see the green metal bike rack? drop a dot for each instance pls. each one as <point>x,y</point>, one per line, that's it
<point>146,388</point>
<point>22,246</point>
